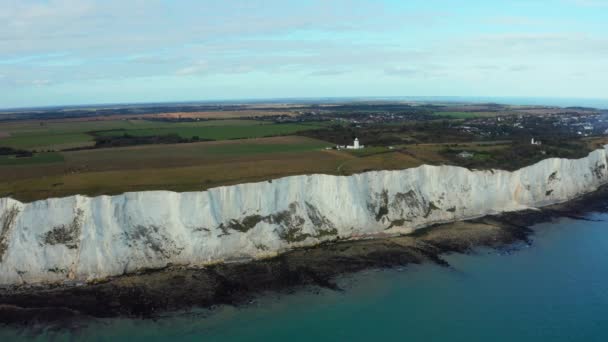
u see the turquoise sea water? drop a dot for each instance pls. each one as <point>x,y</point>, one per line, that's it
<point>554,290</point>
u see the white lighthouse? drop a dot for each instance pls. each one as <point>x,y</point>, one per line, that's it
<point>355,145</point>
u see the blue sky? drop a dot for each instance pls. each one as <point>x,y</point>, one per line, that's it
<point>55,52</point>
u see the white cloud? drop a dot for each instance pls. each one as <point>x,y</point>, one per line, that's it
<point>78,42</point>
<point>39,83</point>
<point>519,68</point>
<point>197,68</point>
<point>328,72</point>
<point>418,71</point>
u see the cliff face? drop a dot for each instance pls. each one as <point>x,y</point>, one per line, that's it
<point>81,238</point>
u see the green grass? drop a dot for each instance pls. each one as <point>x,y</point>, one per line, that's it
<point>368,151</point>
<point>243,149</point>
<point>45,141</point>
<point>220,132</point>
<point>482,156</point>
<point>62,127</point>
<point>178,167</point>
<point>189,154</point>
<point>60,135</point>
<point>38,158</point>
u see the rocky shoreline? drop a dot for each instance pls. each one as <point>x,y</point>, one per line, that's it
<point>151,293</point>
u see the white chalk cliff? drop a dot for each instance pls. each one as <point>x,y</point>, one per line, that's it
<point>80,238</point>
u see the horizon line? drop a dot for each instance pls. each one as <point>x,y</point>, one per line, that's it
<point>235,101</point>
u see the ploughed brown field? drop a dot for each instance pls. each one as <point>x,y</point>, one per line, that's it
<point>186,167</point>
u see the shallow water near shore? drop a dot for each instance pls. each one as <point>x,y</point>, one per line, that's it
<point>554,290</point>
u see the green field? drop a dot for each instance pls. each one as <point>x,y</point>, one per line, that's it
<point>223,132</point>
<point>168,155</point>
<point>38,158</point>
<point>179,167</point>
<point>368,151</point>
<point>249,149</point>
<point>47,135</point>
<point>47,141</point>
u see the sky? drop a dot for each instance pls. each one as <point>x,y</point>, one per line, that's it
<point>66,52</point>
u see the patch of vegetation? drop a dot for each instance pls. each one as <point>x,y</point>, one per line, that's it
<point>151,237</point>
<point>293,234</point>
<point>46,141</point>
<point>396,223</point>
<point>384,135</point>
<point>430,209</point>
<point>518,155</point>
<point>326,232</point>
<point>219,132</point>
<point>6,223</point>
<point>250,149</point>
<point>261,246</point>
<point>7,151</point>
<point>57,270</point>
<point>552,177</point>
<point>66,234</point>
<point>319,221</point>
<point>409,199</point>
<point>131,140</point>
<point>599,170</point>
<point>246,224</point>
<point>32,158</point>
<point>291,224</point>
<point>61,135</point>
<point>369,151</point>
<point>379,205</point>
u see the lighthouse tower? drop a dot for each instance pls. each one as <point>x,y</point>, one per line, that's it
<point>355,145</point>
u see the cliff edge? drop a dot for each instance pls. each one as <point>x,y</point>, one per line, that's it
<point>80,238</point>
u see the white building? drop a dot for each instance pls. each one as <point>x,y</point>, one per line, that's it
<point>355,145</point>
<point>536,142</point>
<point>465,155</point>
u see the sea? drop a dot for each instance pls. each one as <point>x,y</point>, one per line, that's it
<point>554,289</point>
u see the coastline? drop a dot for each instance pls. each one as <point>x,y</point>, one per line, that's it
<point>148,294</point>
<point>77,240</point>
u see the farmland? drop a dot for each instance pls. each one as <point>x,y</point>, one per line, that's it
<point>177,167</point>
<point>49,135</point>
<point>39,158</point>
<point>122,150</point>
<point>219,132</point>
<point>187,167</point>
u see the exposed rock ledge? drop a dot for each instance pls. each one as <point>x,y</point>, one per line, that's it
<point>80,239</point>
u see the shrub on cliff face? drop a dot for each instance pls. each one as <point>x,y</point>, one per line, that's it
<point>6,222</point>
<point>290,223</point>
<point>246,224</point>
<point>66,234</point>
<point>378,206</point>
